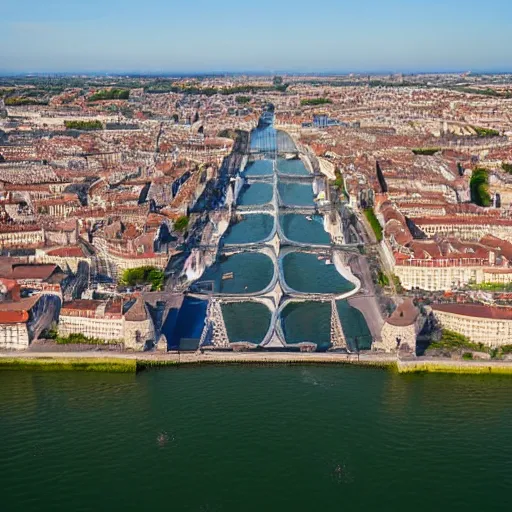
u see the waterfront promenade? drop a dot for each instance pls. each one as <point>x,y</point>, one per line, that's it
<point>402,365</point>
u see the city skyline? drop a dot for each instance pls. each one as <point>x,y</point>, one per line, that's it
<point>370,37</point>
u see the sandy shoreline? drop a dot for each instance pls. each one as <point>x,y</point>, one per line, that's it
<point>106,361</point>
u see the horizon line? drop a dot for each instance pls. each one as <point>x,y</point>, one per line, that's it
<point>163,73</point>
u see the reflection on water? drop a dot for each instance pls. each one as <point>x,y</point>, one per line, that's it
<point>307,322</point>
<point>304,272</point>
<point>255,194</point>
<point>300,228</point>
<point>246,321</point>
<point>252,272</point>
<point>252,228</point>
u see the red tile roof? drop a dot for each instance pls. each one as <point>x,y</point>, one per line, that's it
<point>405,314</point>
<point>67,252</point>
<point>13,317</point>
<point>42,271</point>
<point>475,310</point>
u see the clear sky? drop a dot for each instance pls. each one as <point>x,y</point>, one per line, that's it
<point>264,35</point>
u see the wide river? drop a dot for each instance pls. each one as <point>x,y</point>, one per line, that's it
<point>241,438</point>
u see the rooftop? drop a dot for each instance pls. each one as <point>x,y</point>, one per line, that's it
<point>405,314</point>
<point>475,310</point>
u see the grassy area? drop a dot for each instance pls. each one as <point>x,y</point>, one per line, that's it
<point>339,183</point>
<point>181,224</point>
<point>83,125</point>
<point>483,92</point>
<point>491,287</point>
<point>143,275</point>
<point>426,151</point>
<point>166,86</point>
<point>507,167</point>
<point>485,132</point>
<point>16,101</point>
<point>78,338</point>
<point>315,101</point>
<point>110,94</point>
<point>398,285</point>
<point>448,367</point>
<point>454,341</point>
<point>243,100</point>
<point>95,364</point>
<point>148,364</point>
<point>374,223</point>
<point>479,187</point>
<point>382,279</point>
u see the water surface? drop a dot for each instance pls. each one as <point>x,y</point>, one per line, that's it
<point>298,228</point>
<point>186,331</point>
<point>296,194</point>
<point>355,328</point>
<point>246,321</point>
<point>249,439</point>
<point>259,168</point>
<point>255,194</point>
<point>252,228</point>
<point>307,322</point>
<point>304,272</point>
<point>292,166</point>
<point>252,272</point>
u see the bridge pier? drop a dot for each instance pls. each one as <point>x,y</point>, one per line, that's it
<point>338,339</point>
<point>214,331</point>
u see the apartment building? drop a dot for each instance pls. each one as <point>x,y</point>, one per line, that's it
<point>112,320</point>
<point>482,324</point>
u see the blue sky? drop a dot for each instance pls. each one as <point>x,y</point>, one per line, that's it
<point>267,35</point>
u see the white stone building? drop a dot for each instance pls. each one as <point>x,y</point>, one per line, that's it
<point>110,320</point>
<point>482,324</point>
<point>400,330</point>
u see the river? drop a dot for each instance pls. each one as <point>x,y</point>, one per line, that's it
<point>249,273</point>
<point>281,438</point>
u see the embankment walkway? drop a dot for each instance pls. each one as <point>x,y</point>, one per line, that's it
<point>408,365</point>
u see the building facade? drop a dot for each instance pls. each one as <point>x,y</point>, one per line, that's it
<point>489,325</point>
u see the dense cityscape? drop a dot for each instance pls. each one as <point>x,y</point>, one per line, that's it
<point>349,215</point>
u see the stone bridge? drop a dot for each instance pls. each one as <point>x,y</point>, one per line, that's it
<point>277,295</point>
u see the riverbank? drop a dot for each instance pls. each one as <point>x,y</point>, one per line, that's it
<point>134,362</point>
<point>68,362</point>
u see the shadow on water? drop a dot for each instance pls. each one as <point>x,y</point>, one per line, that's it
<point>189,325</point>
<point>354,326</point>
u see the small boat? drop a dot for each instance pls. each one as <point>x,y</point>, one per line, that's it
<point>227,275</point>
<point>308,217</point>
<point>321,258</point>
<point>328,261</point>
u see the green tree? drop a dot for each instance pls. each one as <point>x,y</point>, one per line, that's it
<point>479,187</point>
<point>181,224</point>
